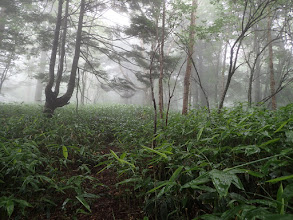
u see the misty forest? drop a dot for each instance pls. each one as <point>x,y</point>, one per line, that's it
<point>146,109</point>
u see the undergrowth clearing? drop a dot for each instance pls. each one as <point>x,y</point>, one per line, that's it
<point>236,164</point>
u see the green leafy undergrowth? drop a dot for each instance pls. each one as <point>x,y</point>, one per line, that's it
<point>233,164</point>
<point>228,165</point>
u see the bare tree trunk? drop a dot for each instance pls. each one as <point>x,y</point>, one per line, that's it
<point>50,84</point>
<point>202,95</point>
<point>248,20</point>
<point>62,53</point>
<point>224,69</point>
<point>217,74</point>
<point>161,92</point>
<point>153,96</point>
<point>189,61</point>
<point>189,97</point>
<point>52,102</point>
<point>271,64</point>
<point>257,90</point>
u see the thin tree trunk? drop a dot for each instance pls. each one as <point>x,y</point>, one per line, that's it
<point>71,83</point>
<point>202,97</point>
<point>232,67</point>
<point>224,69</point>
<point>271,64</point>
<point>217,75</point>
<point>62,53</point>
<point>49,86</point>
<point>153,96</point>
<point>189,61</point>
<point>257,91</point>
<point>161,92</point>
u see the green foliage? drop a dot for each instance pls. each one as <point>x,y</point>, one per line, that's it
<point>233,164</point>
<point>223,164</point>
<point>37,163</point>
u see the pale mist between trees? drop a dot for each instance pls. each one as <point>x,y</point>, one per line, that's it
<point>170,54</point>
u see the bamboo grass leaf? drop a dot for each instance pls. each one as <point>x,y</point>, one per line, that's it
<point>269,142</point>
<point>277,217</point>
<point>83,202</point>
<point>204,178</point>
<point>158,187</point>
<point>65,152</point>
<point>176,174</point>
<point>199,134</point>
<point>282,125</point>
<point>120,160</point>
<point>9,207</point>
<point>156,152</point>
<point>222,181</point>
<point>280,179</point>
<point>280,200</point>
<point>288,192</point>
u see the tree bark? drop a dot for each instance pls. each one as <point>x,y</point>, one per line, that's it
<point>189,61</point>
<point>257,90</point>
<point>50,84</point>
<point>161,92</point>
<point>271,64</point>
<point>62,50</point>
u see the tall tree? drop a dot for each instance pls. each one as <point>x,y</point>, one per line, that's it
<point>189,60</point>
<point>161,93</point>
<point>52,99</point>
<point>257,75</point>
<point>271,63</point>
<point>251,12</point>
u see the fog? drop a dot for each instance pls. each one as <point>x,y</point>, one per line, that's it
<point>121,50</point>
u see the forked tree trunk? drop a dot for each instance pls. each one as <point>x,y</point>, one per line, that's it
<point>189,59</point>
<point>52,101</point>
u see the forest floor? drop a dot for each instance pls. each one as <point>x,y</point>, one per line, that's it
<point>110,206</point>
